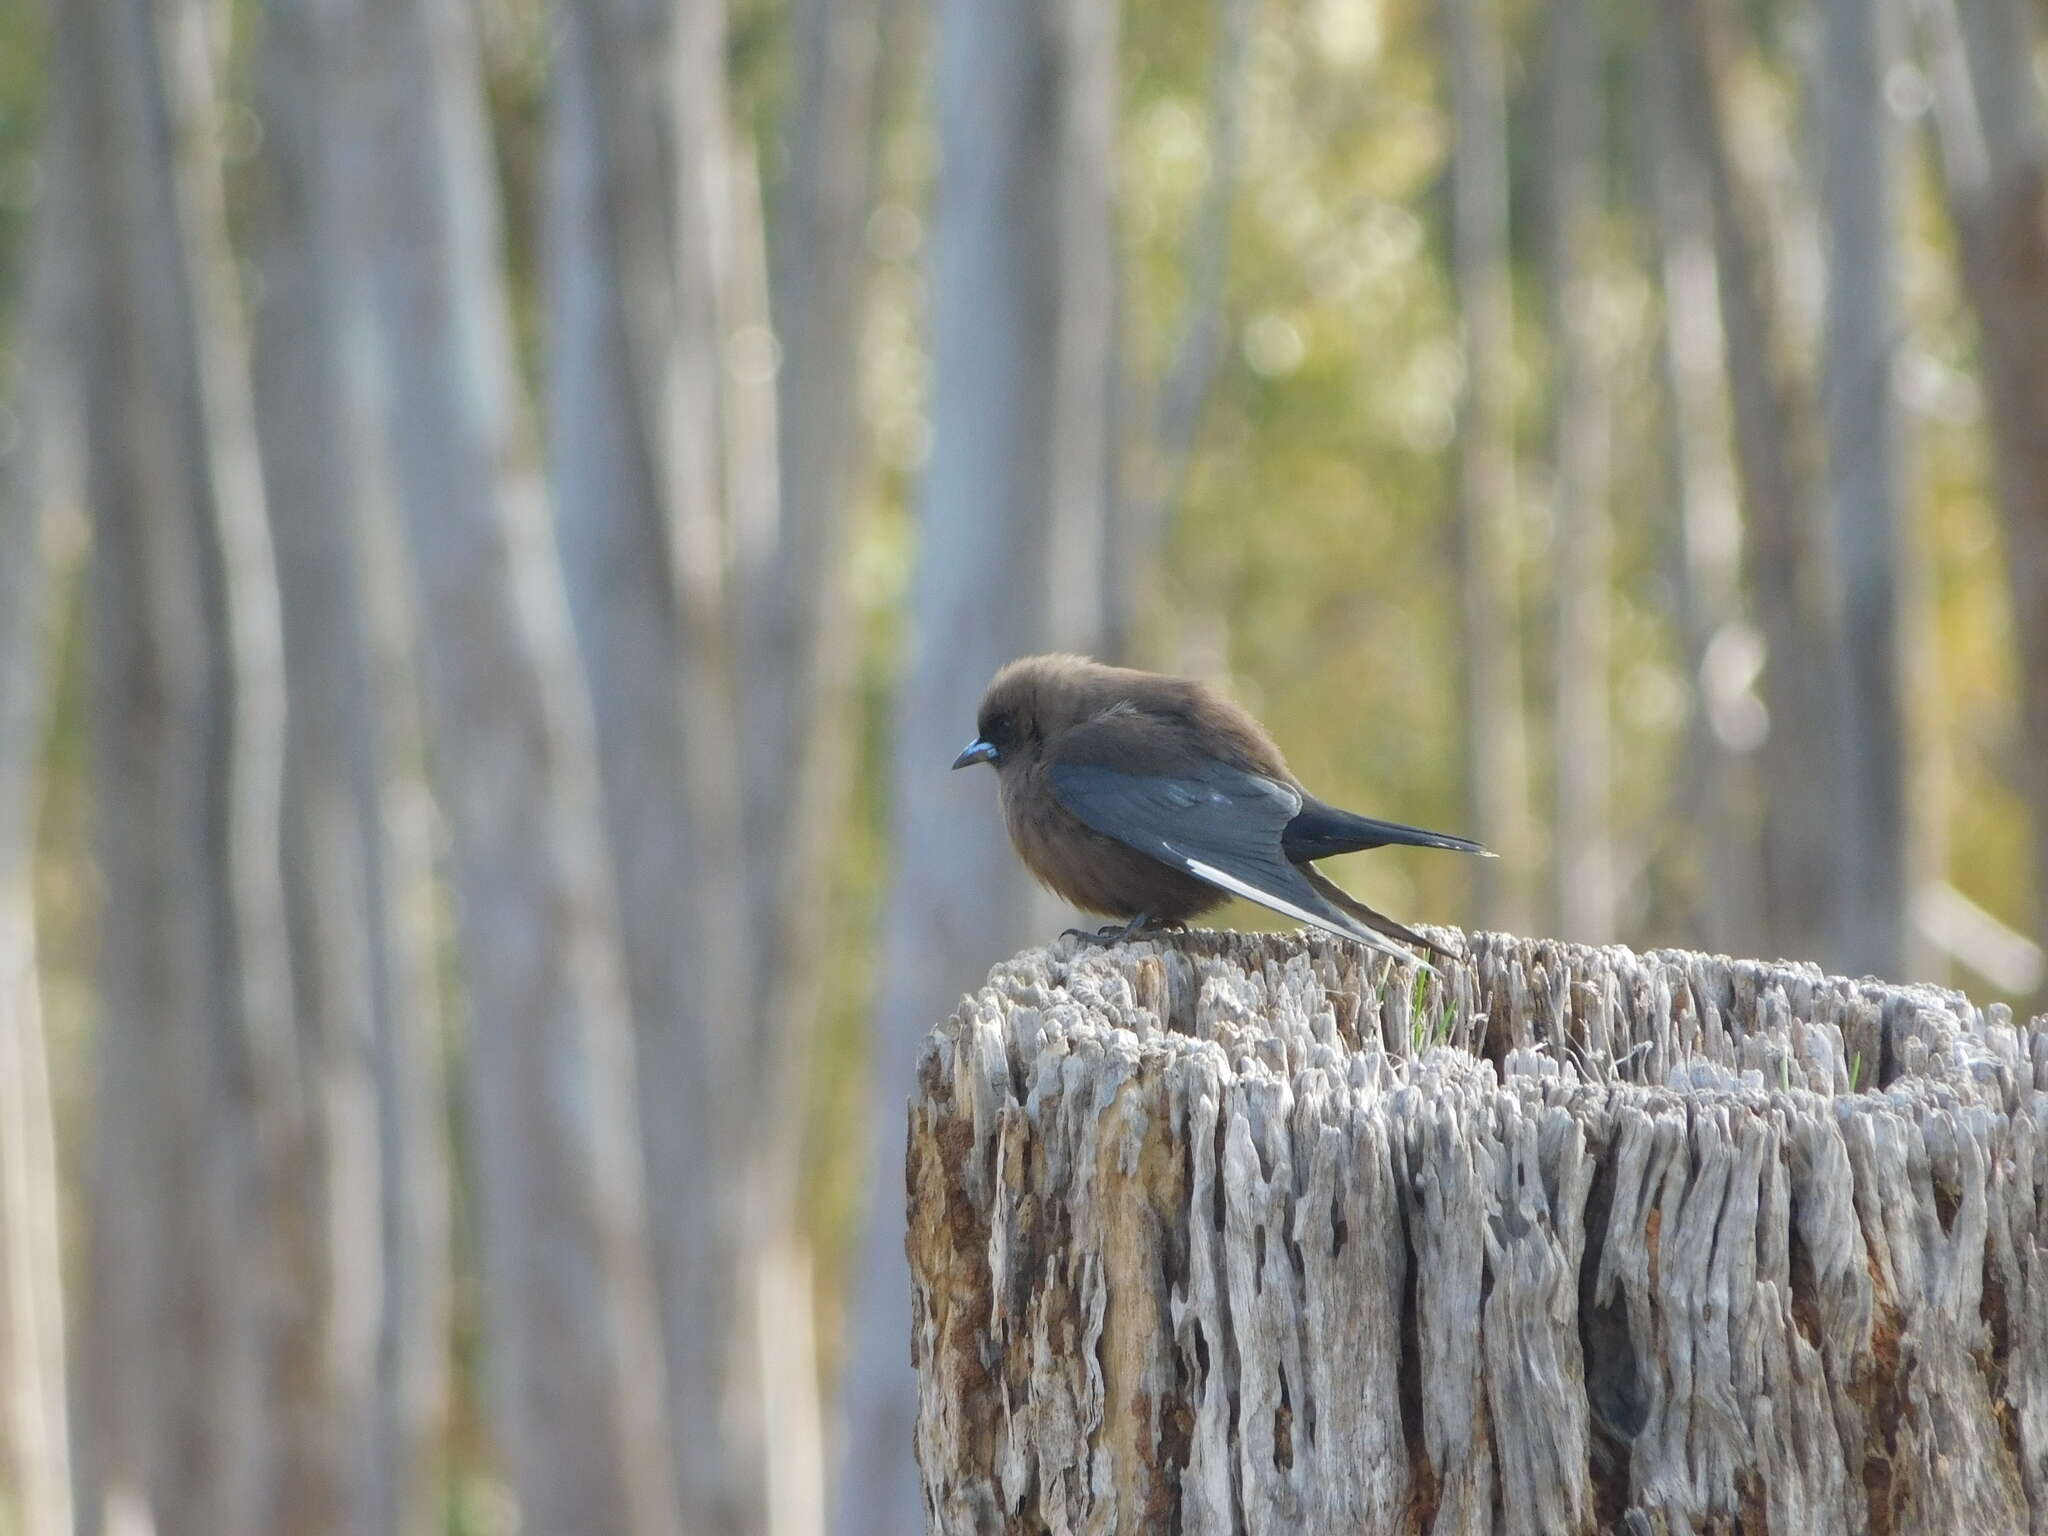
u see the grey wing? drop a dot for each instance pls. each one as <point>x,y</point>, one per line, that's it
<point>1218,823</point>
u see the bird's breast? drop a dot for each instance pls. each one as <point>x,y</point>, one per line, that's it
<point>1094,872</point>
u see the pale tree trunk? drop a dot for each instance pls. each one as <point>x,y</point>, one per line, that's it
<point>796,657</point>
<point>1798,761</point>
<point>35,1468</point>
<point>797,665</point>
<point>664,435</point>
<point>1994,144</point>
<point>1722,650</point>
<point>779,1435</point>
<point>185,1413</point>
<point>662,390</point>
<point>571,1332</point>
<point>1141,522</point>
<point>1083,446</point>
<point>1865,487</point>
<point>35,1456</point>
<point>1803,830</point>
<point>1582,860</point>
<point>798,649</point>
<point>1020,94</point>
<point>38,475</point>
<point>1485,519</point>
<point>1232,1233</point>
<point>370,1276</point>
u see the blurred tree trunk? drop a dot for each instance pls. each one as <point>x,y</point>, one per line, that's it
<point>1583,858</point>
<point>574,1346</point>
<point>372,1283</point>
<point>1086,354</point>
<point>35,1468</point>
<point>1801,832</point>
<point>191,1409</point>
<point>1722,650</point>
<point>1015,270</point>
<point>1140,522</point>
<point>662,386</point>
<point>798,659</point>
<point>1486,522</point>
<point>37,472</point>
<point>1995,162</point>
<point>780,1429</point>
<point>35,1458</point>
<point>1859,204</point>
<point>797,644</point>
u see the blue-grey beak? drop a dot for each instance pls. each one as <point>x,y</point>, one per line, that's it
<point>978,751</point>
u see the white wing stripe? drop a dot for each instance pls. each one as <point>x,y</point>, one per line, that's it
<point>1230,882</point>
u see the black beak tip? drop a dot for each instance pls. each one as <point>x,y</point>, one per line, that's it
<point>976,751</point>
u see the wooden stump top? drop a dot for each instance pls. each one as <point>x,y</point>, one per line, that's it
<point>1258,1233</point>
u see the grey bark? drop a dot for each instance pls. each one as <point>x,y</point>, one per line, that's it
<point>1726,718</point>
<point>797,656</point>
<point>35,1455</point>
<point>1083,446</point>
<point>193,1018</point>
<point>781,1433</point>
<point>1994,142</point>
<point>1865,486</point>
<point>1485,520</point>
<point>638,239</point>
<point>1583,858</point>
<point>183,1412</point>
<point>1785,561</point>
<point>571,1330</point>
<point>38,480</point>
<point>663,389</point>
<point>1008,291</point>
<point>1141,522</point>
<point>798,649</point>
<point>1244,1233</point>
<point>369,1303</point>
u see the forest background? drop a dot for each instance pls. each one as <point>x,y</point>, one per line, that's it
<point>506,509</point>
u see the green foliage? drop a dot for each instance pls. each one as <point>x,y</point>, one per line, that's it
<point>1432,1017</point>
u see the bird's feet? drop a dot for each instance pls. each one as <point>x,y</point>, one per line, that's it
<point>1141,926</point>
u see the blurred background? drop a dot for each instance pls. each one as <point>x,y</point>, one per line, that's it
<point>506,508</point>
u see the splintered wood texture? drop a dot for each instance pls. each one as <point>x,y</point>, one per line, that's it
<point>1245,1233</point>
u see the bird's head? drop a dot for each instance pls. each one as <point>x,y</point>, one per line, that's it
<point>1030,700</point>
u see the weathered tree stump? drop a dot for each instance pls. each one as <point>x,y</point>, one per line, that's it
<point>1248,1233</point>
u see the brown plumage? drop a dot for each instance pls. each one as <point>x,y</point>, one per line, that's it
<point>1154,799</point>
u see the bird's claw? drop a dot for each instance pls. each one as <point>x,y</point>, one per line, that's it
<point>1101,937</point>
<point>1140,926</point>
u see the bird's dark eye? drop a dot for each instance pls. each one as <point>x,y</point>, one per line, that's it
<point>999,732</point>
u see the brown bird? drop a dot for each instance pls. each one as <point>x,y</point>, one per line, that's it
<point>1154,798</point>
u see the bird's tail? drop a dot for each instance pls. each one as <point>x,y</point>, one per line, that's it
<point>1379,922</point>
<point>1320,830</point>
